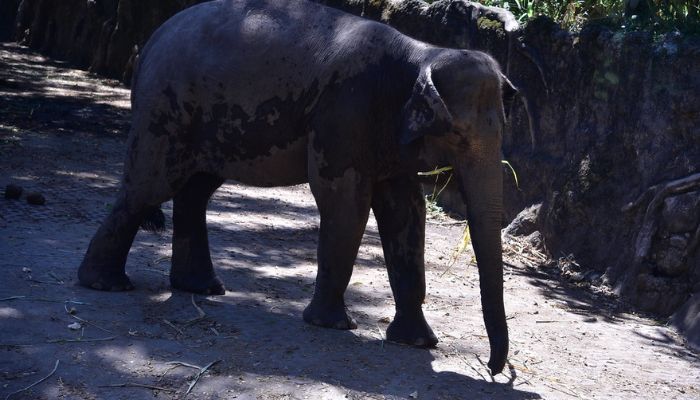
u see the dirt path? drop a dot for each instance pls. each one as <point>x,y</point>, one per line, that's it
<point>62,134</point>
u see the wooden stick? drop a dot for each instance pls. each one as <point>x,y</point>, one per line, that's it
<point>199,375</point>
<point>182,364</point>
<point>138,385</point>
<point>86,321</point>
<point>170,324</point>
<point>12,298</point>
<point>55,367</point>
<point>81,340</point>
<point>201,313</point>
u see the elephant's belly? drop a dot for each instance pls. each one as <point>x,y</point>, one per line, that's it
<point>278,166</point>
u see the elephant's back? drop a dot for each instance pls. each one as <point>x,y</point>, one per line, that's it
<point>235,37</point>
<point>253,50</point>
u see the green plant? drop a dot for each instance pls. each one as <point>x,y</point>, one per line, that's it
<point>665,15</point>
<point>434,210</point>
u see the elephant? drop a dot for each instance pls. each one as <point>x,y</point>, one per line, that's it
<point>284,92</point>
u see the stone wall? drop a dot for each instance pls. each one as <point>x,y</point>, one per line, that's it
<point>619,122</point>
<point>606,138</point>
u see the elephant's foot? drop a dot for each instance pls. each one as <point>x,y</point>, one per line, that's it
<point>206,285</point>
<point>335,317</point>
<point>413,331</point>
<point>106,279</point>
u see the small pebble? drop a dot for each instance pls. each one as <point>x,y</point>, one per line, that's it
<point>36,199</point>
<point>75,326</point>
<point>13,192</point>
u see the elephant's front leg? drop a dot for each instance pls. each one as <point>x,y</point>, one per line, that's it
<point>344,204</point>
<point>191,269</point>
<point>399,208</point>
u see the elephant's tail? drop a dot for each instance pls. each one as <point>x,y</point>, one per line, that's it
<point>154,220</point>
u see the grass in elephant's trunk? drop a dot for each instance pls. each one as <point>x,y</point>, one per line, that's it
<point>435,211</point>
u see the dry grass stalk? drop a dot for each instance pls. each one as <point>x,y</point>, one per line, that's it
<point>55,367</point>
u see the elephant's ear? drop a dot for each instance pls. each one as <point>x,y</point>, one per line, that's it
<point>425,113</point>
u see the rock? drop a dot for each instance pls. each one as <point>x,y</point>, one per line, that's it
<point>650,283</point>
<point>577,276</point>
<point>75,326</point>
<point>13,192</point>
<point>595,278</point>
<point>525,223</point>
<point>671,262</point>
<point>660,295</point>
<point>681,213</point>
<point>536,240</point>
<point>678,242</point>
<point>687,320</point>
<point>36,199</point>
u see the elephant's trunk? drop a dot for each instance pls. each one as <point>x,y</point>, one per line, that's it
<point>481,185</point>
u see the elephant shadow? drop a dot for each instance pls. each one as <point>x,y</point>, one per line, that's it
<point>260,332</point>
<point>260,339</point>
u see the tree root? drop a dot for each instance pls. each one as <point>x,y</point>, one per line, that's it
<point>649,224</point>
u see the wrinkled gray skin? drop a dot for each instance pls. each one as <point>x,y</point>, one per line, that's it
<point>281,92</point>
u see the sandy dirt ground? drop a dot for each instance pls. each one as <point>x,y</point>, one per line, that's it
<point>62,134</point>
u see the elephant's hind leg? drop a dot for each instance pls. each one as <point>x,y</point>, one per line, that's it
<point>103,265</point>
<point>145,185</point>
<point>191,269</point>
<point>400,212</point>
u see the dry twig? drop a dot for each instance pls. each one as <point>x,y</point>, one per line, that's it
<point>199,375</point>
<point>138,385</point>
<point>201,371</point>
<point>156,271</point>
<point>170,324</point>
<point>176,364</point>
<point>54,276</point>
<point>86,321</point>
<point>12,298</point>
<point>81,340</point>
<point>201,313</point>
<point>55,367</point>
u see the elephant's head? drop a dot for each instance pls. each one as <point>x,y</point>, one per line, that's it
<point>456,111</point>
